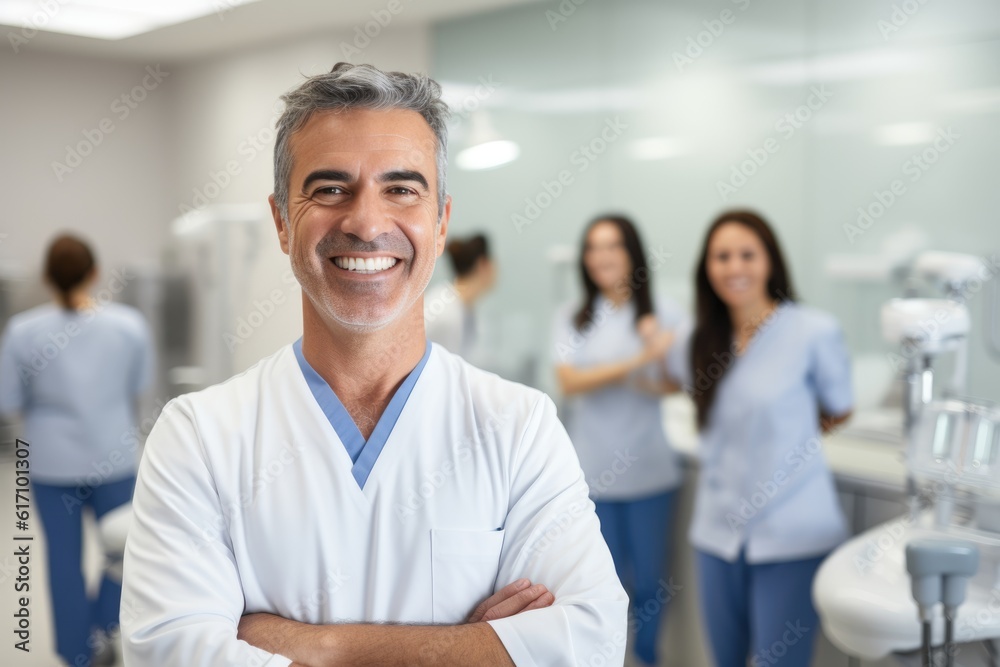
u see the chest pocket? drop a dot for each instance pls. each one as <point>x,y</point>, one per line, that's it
<point>464,566</point>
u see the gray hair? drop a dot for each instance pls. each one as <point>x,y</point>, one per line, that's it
<point>349,86</point>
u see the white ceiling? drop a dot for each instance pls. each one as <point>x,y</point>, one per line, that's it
<point>247,26</point>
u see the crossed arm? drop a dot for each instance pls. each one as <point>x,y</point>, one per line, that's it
<point>475,642</point>
<point>656,343</point>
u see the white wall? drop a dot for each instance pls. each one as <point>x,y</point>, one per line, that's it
<point>119,195</point>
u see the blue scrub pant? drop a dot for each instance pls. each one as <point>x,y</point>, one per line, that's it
<point>763,611</point>
<point>76,615</point>
<point>637,533</point>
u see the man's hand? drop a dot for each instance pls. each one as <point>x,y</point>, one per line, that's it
<point>512,599</point>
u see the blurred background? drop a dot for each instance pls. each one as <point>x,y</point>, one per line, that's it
<point>866,131</point>
<point>157,147</point>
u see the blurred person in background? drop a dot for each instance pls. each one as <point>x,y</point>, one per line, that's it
<point>767,376</point>
<point>609,351</point>
<point>73,370</point>
<point>449,313</point>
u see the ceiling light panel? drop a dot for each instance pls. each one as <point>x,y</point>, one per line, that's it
<point>108,19</point>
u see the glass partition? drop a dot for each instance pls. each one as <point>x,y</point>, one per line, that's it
<point>864,131</point>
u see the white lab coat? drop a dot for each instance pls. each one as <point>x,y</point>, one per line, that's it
<point>246,502</point>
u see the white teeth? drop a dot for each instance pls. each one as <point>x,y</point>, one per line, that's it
<point>365,264</point>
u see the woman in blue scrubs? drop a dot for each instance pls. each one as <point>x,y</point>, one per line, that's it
<point>73,370</point>
<point>609,352</point>
<point>767,376</point>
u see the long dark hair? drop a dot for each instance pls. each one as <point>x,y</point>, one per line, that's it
<point>68,263</point>
<point>637,282</point>
<point>712,340</point>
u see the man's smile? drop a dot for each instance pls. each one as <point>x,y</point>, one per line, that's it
<point>365,264</point>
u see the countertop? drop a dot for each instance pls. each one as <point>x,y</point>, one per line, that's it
<point>868,450</point>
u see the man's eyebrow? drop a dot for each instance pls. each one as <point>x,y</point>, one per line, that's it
<point>404,175</point>
<point>326,175</point>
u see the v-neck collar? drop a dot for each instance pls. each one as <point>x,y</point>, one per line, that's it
<point>768,323</point>
<point>363,454</point>
<point>602,302</point>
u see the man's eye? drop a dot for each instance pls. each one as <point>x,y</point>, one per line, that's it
<point>329,190</point>
<point>400,190</point>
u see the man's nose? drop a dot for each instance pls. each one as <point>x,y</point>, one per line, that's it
<point>366,217</point>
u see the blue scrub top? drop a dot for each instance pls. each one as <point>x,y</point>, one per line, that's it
<point>617,430</point>
<point>363,453</point>
<point>764,484</point>
<point>74,377</point>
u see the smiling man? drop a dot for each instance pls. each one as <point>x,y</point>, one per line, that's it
<point>363,497</point>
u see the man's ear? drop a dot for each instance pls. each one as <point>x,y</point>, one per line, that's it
<point>279,224</point>
<point>442,228</point>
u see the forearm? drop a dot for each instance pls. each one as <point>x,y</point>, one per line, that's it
<point>574,380</point>
<point>830,423</point>
<point>660,386</point>
<point>363,645</point>
<point>417,646</point>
